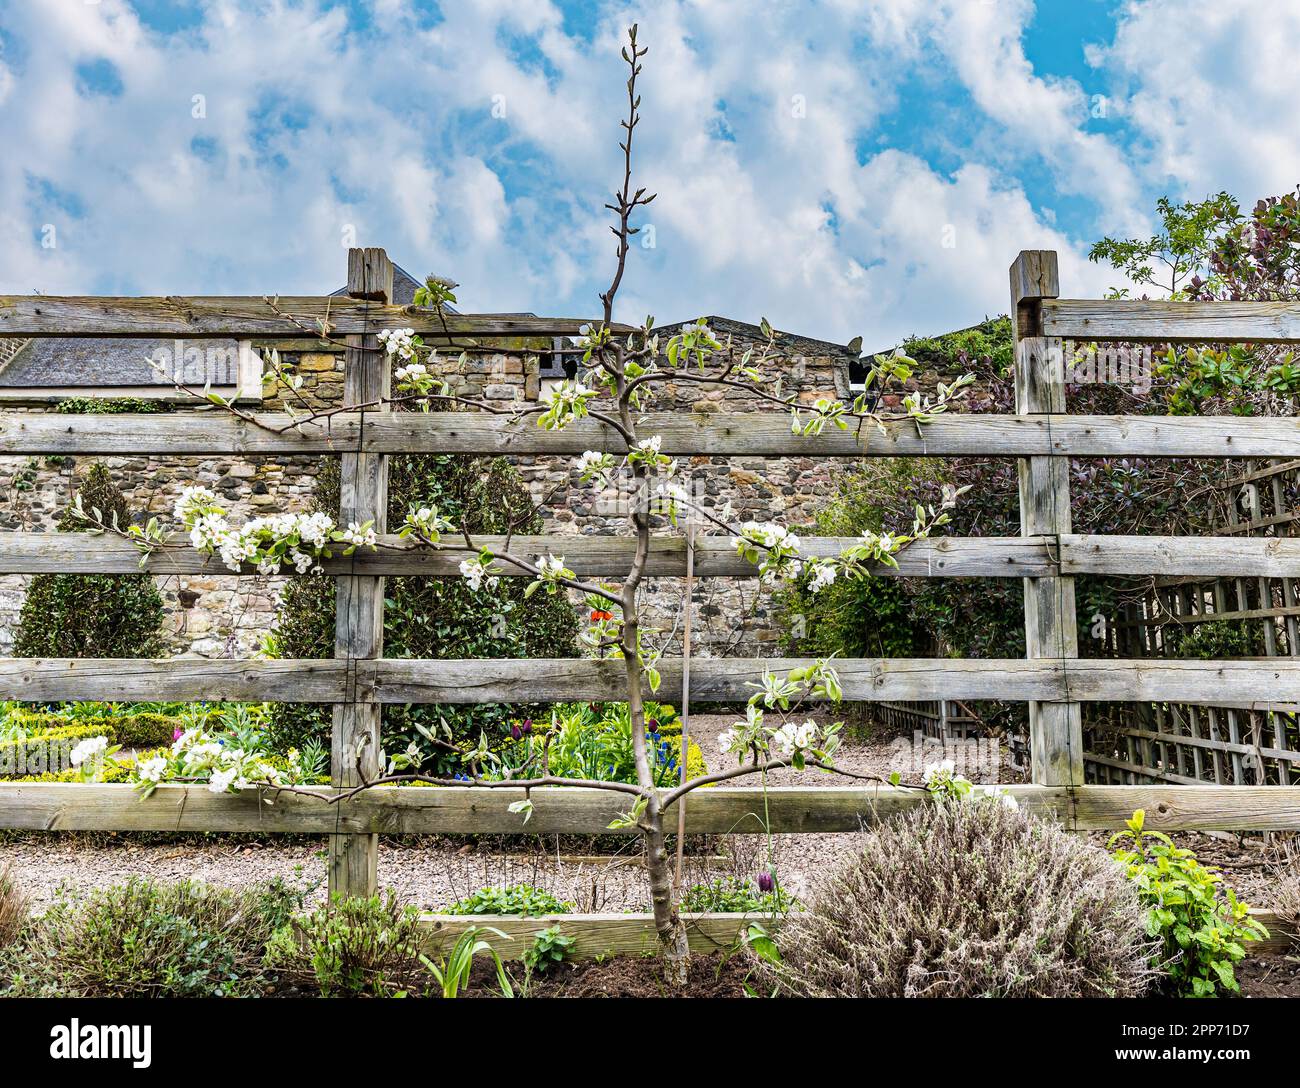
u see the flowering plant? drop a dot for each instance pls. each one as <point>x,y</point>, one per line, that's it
<point>267,542</point>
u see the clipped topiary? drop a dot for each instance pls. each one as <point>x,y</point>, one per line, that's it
<point>432,617</point>
<point>91,615</point>
<point>969,899</point>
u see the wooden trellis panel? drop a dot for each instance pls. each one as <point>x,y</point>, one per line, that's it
<point>1253,741</point>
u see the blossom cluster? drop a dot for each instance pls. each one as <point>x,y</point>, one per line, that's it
<point>593,464</point>
<point>565,402</point>
<point>400,342</point>
<point>476,572</point>
<point>425,523</point>
<point>91,757</point>
<point>793,741</point>
<point>942,781</point>
<point>199,755</point>
<point>267,542</point>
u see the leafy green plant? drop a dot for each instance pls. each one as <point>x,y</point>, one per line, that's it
<point>1201,924</point>
<point>91,615</point>
<point>1213,640</point>
<point>351,946</point>
<point>548,948</point>
<point>594,741</point>
<point>736,895</point>
<point>521,899</point>
<point>453,971</point>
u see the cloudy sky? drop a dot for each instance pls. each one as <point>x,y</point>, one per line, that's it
<point>843,167</point>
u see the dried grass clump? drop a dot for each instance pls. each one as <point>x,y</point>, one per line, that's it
<point>1287,897</point>
<point>14,907</point>
<point>965,899</point>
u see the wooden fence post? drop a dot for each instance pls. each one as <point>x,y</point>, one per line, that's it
<point>359,617</point>
<point>1055,729</point>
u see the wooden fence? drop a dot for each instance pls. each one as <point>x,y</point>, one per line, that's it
<point>359,680</point>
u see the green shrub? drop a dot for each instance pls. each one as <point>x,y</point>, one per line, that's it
<point>1201,925</point>
<point>432,617</point>
<point>351,947</point>
<point>146,939</point>
<point>129,730</point>
<point>91,615</point>
<point>969,899</point>
<point>36,745</point>
<point>735,895</point>
<point>521,899</point>
<point>44,749</point>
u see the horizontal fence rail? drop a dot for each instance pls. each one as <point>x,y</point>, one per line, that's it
<point>586,556</point>
<point>715,557</point>
<point>1161,322</point>
<point>242,317</point>
<point>737,434</point>
<point>787,810</point>
<point>468,682</point>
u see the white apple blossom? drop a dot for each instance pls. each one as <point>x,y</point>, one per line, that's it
<point>90,749</point>
<point>593,463</point>
<point>152,770</point>
<point>474,573</point>
<point>223,779</point>
<point>399,342</point>
<point>936,771</point>
<point>550,566</point>
<point>823,574</point>
<point>358,536</point>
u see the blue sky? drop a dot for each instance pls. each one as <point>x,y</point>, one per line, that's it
<point>848,167</point>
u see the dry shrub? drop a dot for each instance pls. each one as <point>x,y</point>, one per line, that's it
<point>963,899</point>
<point>1287,897</point>
<point>14,907</point>
<point>151,939</point>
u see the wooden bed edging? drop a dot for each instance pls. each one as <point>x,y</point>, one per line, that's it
<point>634,934</point>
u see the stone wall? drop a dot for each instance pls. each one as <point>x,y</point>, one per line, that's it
<point>228,616</point>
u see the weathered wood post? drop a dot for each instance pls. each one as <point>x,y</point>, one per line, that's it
<point>1055,729</point>
<point>359,617</point>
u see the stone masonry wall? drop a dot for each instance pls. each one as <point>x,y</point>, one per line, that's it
<point>228,616</point>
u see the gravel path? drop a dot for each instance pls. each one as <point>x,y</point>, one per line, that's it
<point>435,872</point>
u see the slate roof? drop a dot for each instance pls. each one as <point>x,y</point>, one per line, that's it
<point>108,363</point>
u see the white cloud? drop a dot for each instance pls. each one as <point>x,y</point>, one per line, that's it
<point>1211,86</point>
<point>769,204</point>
